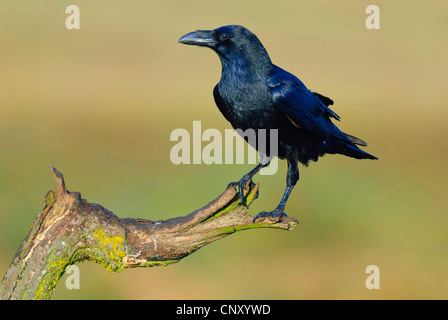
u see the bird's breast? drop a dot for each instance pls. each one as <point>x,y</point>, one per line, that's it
<point>250,104</point>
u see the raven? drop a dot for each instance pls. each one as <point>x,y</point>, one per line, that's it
<point>255,93</point>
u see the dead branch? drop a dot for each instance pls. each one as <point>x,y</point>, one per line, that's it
<point>68,230</point>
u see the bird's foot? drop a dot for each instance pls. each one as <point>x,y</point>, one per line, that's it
<point>245,181</point>
<point>273,216</point>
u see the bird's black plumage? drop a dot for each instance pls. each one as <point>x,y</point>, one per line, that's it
<point>253,93</point>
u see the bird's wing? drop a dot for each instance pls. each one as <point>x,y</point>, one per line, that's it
<point>302,107</point>
<point>325,100</point>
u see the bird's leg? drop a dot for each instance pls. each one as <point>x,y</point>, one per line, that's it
<point>278,212</point>
<point>247,178</point>
<point>291,180</point>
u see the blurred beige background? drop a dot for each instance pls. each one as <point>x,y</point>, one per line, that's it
<point>100,103</point>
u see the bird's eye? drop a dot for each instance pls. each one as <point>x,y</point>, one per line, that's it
<point>224,36</point>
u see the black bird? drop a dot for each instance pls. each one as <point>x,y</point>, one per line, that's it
<point>254,93</point>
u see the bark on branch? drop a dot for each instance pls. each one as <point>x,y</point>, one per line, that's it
<point>68,230</point>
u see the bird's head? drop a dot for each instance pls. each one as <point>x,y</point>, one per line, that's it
<point>228,42</point>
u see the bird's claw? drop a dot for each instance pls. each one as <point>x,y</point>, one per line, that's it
<point>273,216</point>
<point>244,182</point>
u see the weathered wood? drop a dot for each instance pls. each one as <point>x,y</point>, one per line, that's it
<point>68,230</point>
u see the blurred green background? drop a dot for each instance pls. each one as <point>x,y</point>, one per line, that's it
<point>100,103</point>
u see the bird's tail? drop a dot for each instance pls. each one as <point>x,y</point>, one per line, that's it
<point>356,140</point>
<point>350,149</point>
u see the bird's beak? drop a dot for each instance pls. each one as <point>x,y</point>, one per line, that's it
<point>203,38</point>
